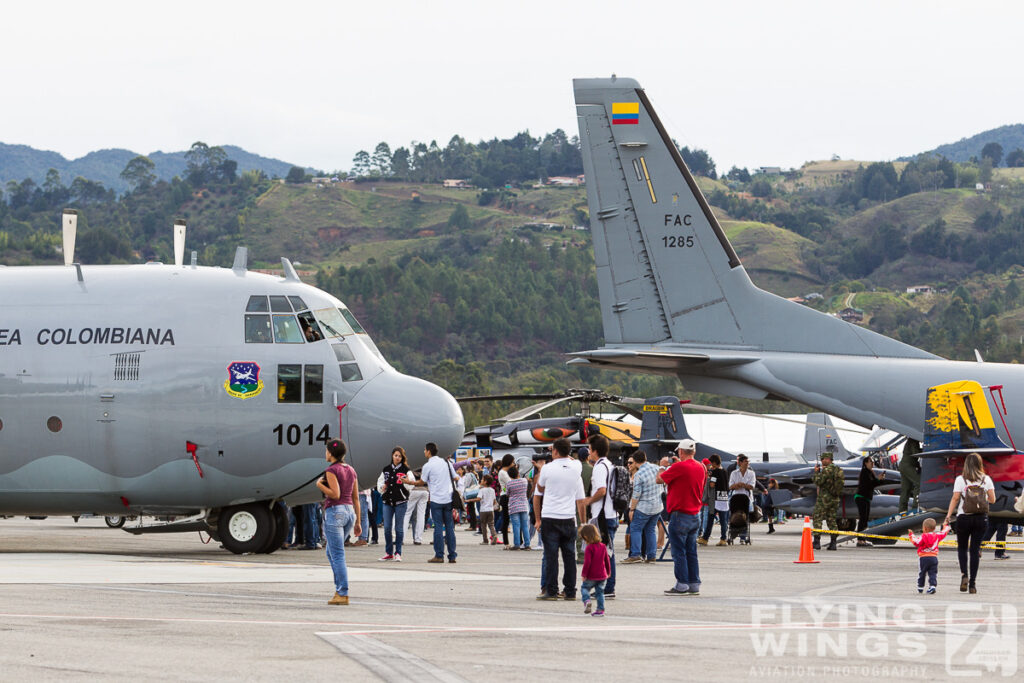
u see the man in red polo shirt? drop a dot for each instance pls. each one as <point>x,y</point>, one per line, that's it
<point>685,482</point>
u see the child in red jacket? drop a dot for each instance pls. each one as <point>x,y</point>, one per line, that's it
<point>597,567</point>
<point>928,553</point>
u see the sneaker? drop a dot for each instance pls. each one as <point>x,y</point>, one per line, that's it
<point>693,591</point>
<point>546,596</point>
<point>417,542</point>
<point>702,541</point>
<point>598,613</point>
<point>526,547</point>
<point>587,607</point>
<point>386,558</point>
<point>436,560</point>
<point>609,595</point>
<point>566,596</point>
<point>1002,557</point>
<point>397,558</point>
<point>633,559</point>
<point>650,560</point>
<point>359,543</point>
<point>920,589</point>
<point>931,590</point>
<point>722,542</point>
<point>673,591</point>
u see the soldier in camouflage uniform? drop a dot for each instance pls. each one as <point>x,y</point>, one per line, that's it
<point>829,480</point>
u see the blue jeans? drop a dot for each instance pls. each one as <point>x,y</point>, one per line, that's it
<point>520,529</point>
<point>311,524</point>
<point>559,536</point>
<point>338,523</point>
<point>643,528</point>
<point>444,529</point>
<point>682,533</point>
<point>364,516</point>
<point>702,518</point>
<point>394,519</point>
<point>723,523</point>
<point>598,588</point>
<point>612,524</point>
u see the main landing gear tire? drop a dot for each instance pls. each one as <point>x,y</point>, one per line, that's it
<point>115,522</point>
<point>246,528</point>
<point>280,516</point>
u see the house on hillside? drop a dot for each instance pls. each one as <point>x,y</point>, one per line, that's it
<point>852,315</point>
<point>565,181</point>
<point>770,170</point>
<point>920,289</point>
<point>457,183</point>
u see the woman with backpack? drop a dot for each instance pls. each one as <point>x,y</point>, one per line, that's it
<point>973,492</point>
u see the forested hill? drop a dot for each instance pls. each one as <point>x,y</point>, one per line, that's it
<point>484,289</point>
<point>1007,138</point>
<point>18,162</point>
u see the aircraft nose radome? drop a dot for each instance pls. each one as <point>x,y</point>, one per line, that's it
<point>398,410</point>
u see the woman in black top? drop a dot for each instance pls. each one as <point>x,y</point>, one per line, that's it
<point>865,492</point>
<point>395,496</point>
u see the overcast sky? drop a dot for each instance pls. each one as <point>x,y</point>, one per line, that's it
<point>754,83</point>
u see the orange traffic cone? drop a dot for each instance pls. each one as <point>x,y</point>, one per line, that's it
<point>806,551</point>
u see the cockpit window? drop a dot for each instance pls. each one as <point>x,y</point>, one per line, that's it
<point>257,304</point>
<point>289,384</point>
<point>352,321</point>
<point>279,304</point>
<point>313,383</point>
<point>343,353</point>
<point>257,329</point>
<point>298,303</point>
<point>310,330</point>
<point>350,372</point>
<point>334,325</point>
<point>286,330</point>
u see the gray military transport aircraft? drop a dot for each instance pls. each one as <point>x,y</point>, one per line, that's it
<point>183,390</point>
<point>675,300</point>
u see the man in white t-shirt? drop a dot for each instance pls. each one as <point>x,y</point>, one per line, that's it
<point>600,501</point>
<point>439,477</point>
<point>558,498</point>
<point>742,482</point>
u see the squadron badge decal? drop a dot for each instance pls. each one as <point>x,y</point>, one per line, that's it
<point>243,380</point>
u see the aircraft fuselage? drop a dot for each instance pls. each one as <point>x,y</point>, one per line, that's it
<point>162,389</point>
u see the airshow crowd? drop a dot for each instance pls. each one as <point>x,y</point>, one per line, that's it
<point>570,503</point>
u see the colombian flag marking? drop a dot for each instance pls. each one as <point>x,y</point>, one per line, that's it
<point>625,113</point>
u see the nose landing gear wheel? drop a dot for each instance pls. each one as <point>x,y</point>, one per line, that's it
<point>280,517</point>
<point>246,528</point>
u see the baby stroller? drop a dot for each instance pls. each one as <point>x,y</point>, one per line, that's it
<point>739,518</point>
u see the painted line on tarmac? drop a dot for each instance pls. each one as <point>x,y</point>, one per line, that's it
<point>446,607</point>
<point>388,663</point>
<point>380,629</point>
<point>618,628</point>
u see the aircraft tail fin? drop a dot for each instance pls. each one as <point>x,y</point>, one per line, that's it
<point>958,418</point>
<point>820,436</point>
<point>662,425</point>
<point>666,271</point>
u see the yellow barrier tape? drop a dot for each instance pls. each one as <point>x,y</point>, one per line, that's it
<point>986,545</point>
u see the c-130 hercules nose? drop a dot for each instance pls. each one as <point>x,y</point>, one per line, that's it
<point>397,410</point>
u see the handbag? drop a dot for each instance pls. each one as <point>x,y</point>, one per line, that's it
<point>456,498</point>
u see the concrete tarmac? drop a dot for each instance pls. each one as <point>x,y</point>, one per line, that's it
<point>84,602</point>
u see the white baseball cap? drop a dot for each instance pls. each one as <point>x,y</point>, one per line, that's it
<point>686,445</point>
